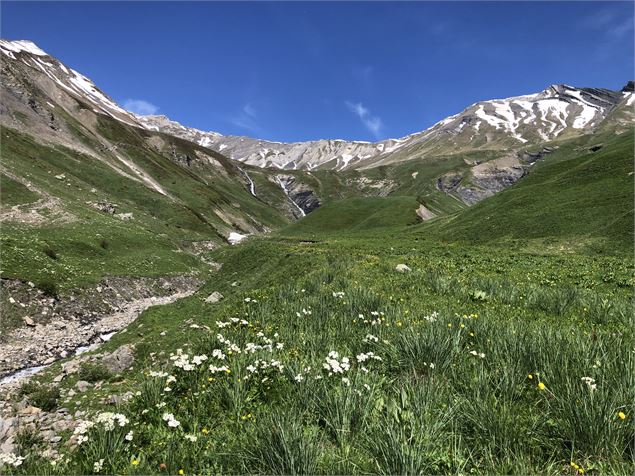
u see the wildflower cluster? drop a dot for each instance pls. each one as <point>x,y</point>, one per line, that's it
<point>170,420</point>
<point>10,459</point>
<point>182,360</point>
<point>377,317</point>
<point>334,365</point>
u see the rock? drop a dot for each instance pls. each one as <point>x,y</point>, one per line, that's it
<point>7,428</point>
<point>30,410</point>
<point>60,177</point>
<point>28,321</point>
<point>119,360</point>
<point>402,268</point>
<point>82,386</point>
<point>58,378</point>
<point>214,297</point>
<point>7,445</point>
<point>125,216</point>
<point>106,207</point>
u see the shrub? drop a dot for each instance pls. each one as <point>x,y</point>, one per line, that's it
<point>48,287</point>
<point>50,252</point>
<point>43,397</point>
<point>92,372</point>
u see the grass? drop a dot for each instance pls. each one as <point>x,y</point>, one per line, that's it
<point>456,389</point>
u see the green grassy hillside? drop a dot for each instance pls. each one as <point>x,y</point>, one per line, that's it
<point>359,214</point>
<point>575,197</point>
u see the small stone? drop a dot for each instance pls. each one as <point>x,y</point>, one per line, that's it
<point>402,268</point>
<point>214,297</point>
<point>28,321</point>
<point>82,386</point>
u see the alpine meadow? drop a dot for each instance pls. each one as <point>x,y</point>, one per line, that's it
<point>174,300</point>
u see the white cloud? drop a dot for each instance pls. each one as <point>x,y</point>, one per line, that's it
<point>247,119</point>
<point>141,107</point>
<point>372,123</point>
<point>612,22</point>
<point>249,110</point>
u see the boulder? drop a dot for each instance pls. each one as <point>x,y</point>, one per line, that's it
<point>119,360</point>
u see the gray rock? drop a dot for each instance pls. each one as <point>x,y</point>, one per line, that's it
<point>82,386</point>
<point>119,360</point>
<point>214,297</point>
<point>402,268</point>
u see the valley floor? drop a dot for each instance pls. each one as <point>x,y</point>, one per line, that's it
<point>323,358</point>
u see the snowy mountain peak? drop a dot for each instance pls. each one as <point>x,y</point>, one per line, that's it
<point>20,46</point>
<point>25,53</point>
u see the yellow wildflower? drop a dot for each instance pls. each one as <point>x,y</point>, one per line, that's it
<point>530,377</point>
<point>622,415</point>
<point>541,386</point>
<point>181,471</point>
<point>135,462</point>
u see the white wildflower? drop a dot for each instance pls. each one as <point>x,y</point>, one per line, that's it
<point>10,459</point>
<point>590,382</point>
<point>171,421</point>
<point>98,465</point>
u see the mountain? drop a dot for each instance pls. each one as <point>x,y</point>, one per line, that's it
<point>558,112</point>
<point>69,144</point>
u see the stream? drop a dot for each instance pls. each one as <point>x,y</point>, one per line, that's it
<point>113,322</point>
<point>252,187</point>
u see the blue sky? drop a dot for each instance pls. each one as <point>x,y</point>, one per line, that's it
<point>300,71</point>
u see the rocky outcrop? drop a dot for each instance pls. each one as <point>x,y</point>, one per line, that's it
<point>299,193</point>
<point>57,326</point>
<point>485,179</point>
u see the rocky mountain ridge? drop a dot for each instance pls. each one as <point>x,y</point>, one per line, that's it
<point>560,111</point>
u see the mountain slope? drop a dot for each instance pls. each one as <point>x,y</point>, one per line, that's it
<point>582,197</point>
<point>48,105</point>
